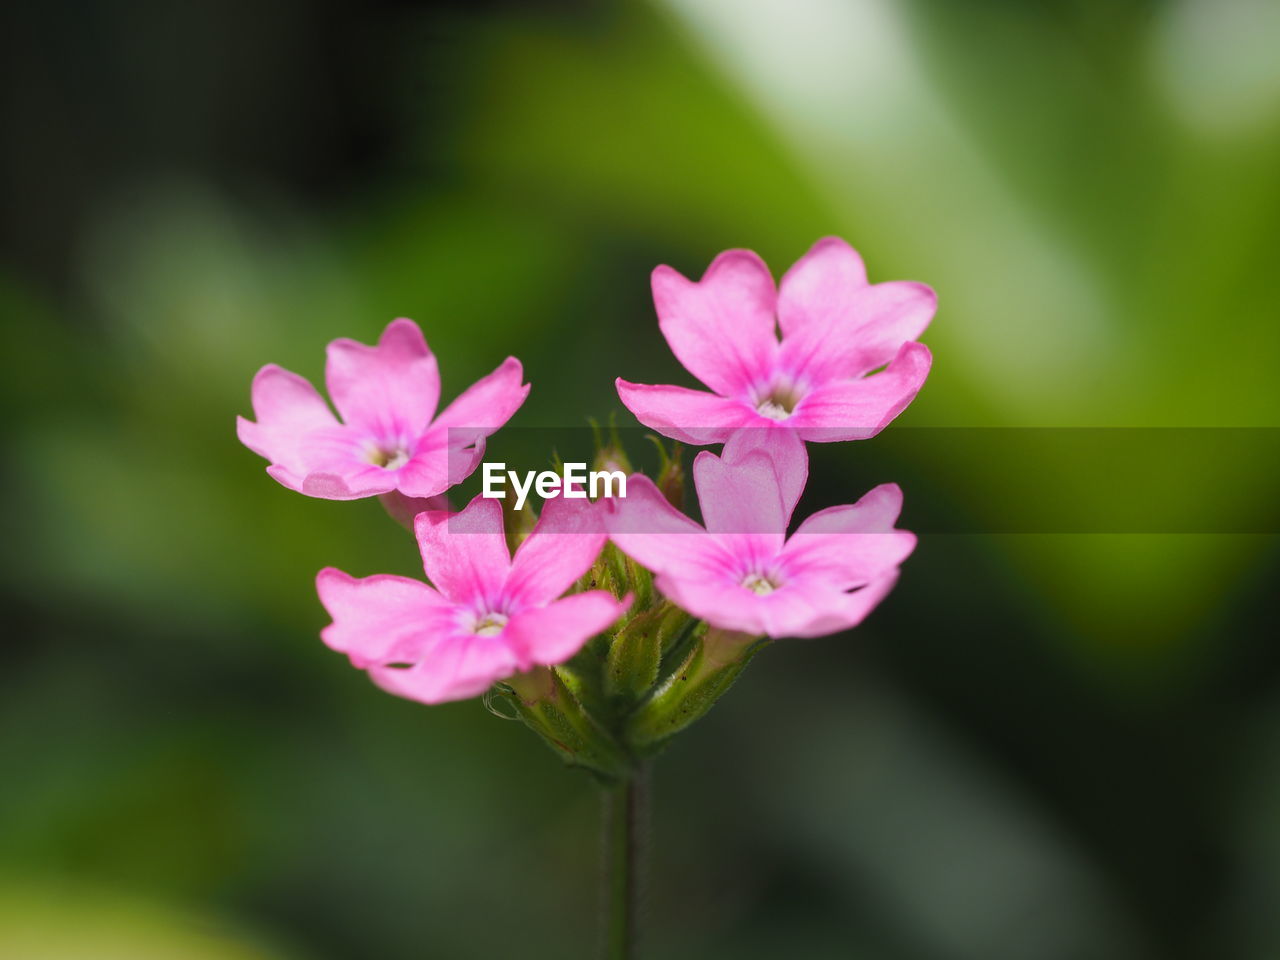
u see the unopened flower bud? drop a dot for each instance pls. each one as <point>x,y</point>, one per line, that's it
<point>617,573</point>
<point>549,708</point>
<point>533,686</point>
<point>610,453</point>
<point>517,524</point>
<point>714,663</point>
<point>671,479</point>
<point>670,476</point>
<point>631,666</point>
<point>611,458</point>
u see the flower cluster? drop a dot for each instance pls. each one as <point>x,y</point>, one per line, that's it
<point>617,622</point>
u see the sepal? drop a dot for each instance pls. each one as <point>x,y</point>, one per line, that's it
<point>711,668</point>
<point>548,707</point>
<point>620,575</point>
<point>631,666</point>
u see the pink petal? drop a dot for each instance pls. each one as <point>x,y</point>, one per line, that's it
<point>853,608</point>
<point>381,619</point>
<point>866,333</point>
<point>794,610</point>
<point>846,559</point>
<point>850,559</point>
<point>460,666</point>
<point>311,452</point>
<point>786,451</point>
<point>801,609</point>
<point>720,601</point>
<point>690,416</point>
<point>562,547</point>
<point>819,285</point>
<point>876,511</point>
<point>742,497</point>
<point>554,633</point>
<point>390,390</point>
<point>814,610</point>
<point>465,554</point>
<point>440,461</point>
<point>485,405</point>
<point>425,476</point>
<point>722,327</point>
<point>659,537</point>
<point>355,485</point>
<point>334,464</point>
<point>288,409</point>
<point>854,543</point>
<point>858,409</point>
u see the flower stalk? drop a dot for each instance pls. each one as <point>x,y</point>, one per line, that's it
<point>625,846</point>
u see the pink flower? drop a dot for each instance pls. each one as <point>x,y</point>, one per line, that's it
<point>488,615</point>
<point>836,329</point>
<point>387,440</point>
<point>742,573</point>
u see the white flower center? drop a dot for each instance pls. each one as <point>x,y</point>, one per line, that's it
<point>773,410</point>
<point>779,401</point>
<point>392,459</point>
<point>490,625</point>
<point>759,584</point>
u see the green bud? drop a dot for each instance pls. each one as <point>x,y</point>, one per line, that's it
<point>583,675</point>
<point>517,524</point>
<point>610,453</point>
<point>613,571</point>
<point>631,666</point>
<point>677,626</point>
<point>639,582</point>
<point>612,458</point>
<point>617,562</point>
<point>710,669</point>
<point>547,707</point>
<point>671,479</point>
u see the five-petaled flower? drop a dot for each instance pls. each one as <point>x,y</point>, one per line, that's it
<point>488,616</point>
<point>390,438</point>
<point>742,572</point>
<point>822,356</point>
<point>836,329</point>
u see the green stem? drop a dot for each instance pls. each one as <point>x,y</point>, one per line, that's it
<point>625,826</point>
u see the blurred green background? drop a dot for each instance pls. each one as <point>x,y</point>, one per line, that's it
<point>1041,746</point>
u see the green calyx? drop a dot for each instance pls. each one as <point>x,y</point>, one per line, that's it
<point>706,673</point>
<point>628,692</point>
<point>547,706</point>
<point>650,675</point>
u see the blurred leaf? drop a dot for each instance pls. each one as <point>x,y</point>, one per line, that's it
<point>43,922</point>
